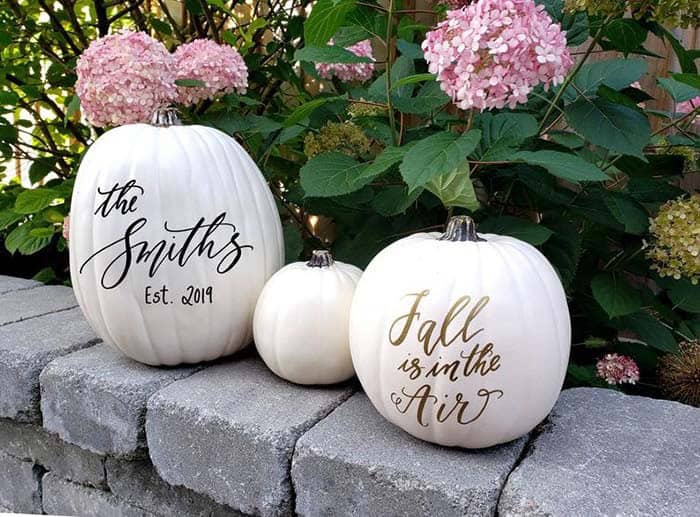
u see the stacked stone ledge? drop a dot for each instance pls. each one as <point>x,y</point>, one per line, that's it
<point>85,431</point>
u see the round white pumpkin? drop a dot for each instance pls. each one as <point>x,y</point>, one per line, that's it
<point>301,320</point>
<point>461,339</point>
<point>173,234</point>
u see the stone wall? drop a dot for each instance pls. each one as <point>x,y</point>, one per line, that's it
<point>85,431</point>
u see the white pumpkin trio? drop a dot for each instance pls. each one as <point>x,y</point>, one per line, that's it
<point>461,339</point>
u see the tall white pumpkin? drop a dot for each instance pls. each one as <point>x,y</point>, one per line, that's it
<point>173,234</point>
<point>301,320</point>
<point>461,339</point>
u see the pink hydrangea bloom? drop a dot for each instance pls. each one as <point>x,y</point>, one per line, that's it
<point>492,53</point>
<point>220,67</point>
<point>350,71</point>
<point>688,106</point>
<point>66,226</point>
<point>617,369</point>
<point>123,78</point>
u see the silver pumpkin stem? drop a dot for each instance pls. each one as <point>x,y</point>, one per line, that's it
<point>461,228</point>
<point>165,116</point>
<point>320,258</point>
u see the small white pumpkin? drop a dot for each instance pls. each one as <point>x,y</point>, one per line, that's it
<point>301,320</point>
<point>173,235</point>
<point>461,339</point>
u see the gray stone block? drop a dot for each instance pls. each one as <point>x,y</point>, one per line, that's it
<point>11,283</point>
<point>606,453</point>
<point>30,303</point>
<point>61,497</point>
<point>354,462</point>
<point>32,443</point>
<point>26,348</point>
<point>96,398</point>
<point>138,483</point>
<point>229,432</point>
<point>20,485</point>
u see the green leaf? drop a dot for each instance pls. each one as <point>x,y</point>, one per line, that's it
<point>8,98</point>
<point>411,79</point>
<point>685,58</point>
<point>455,189</point>
<point>293,242</point>
<point>190,83</point>
<point>16,237</point>
<point>650,330</point>
<point>615,295</point>
<point>563,165</point>
<point>221,5</point>
<point>613,73</point>
<point>44,231</point>
<point>566,139</point>
<point>39,168</point>
<point>502,133</point>
<point>45,276</point>
<point>522,229</point>
<point>628,212</point>
<point>436,155</point>
<point>325,19</point>
<point>429,99</point>
<point>394,199</point>
<point>33,200</point>
<point>388,157</point>
<point>409,49</point>
<point>332,174</point>
<point>689,79</point>
<point>306,109</point>
<point>581,374</point>
<point>161,26</point>
<point>679,92</point>
<point>612,126</point>
<point>328,54</point>
<point>402,67</point>
<point>626,34</point>
<point>563,249</point>
<point>8,217</point>
<point>73,106</point>
<point>685,296</point>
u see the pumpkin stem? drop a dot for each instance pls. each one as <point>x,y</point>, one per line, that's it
<point>461,228</point>
<point>165,116</point>
<point>320,258</point>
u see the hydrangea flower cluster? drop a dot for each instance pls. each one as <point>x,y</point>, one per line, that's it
<point>688,106</point>
<point>679,374</point>
<point>675,13</point>
<point>343,137</point>
<point>676,230</point>
<point>123,78</point>
<point>492,53</point>
<point>350,71</point>
<point>617,369</point>
<point>363,109</point>
<point>220,67</point>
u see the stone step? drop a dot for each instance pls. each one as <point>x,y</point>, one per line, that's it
<point>606,453</point>
<point>354,462</point>
<point>11,283</point>
<point>23,304</point>
<point>231,438</point>
<point>29,442</point>
<point>96,398</point>
<point>26,348</point>
<point>230,431</point>
<point>61,497</point>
